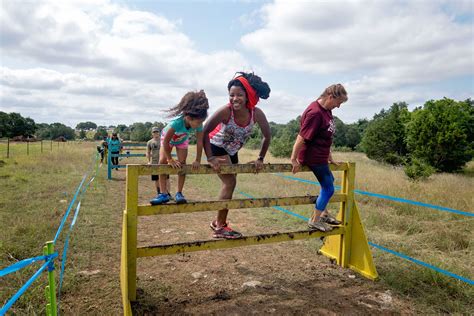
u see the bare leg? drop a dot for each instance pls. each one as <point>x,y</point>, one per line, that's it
<point>182,155</point>
<point>229,182</point>
<point>163,177</point>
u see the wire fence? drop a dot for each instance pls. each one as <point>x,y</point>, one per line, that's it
<point>49,255</point>
<point>10,148</point>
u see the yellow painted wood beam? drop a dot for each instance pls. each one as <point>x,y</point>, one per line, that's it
<point>226,169</point>
<point>146,210</point>
<point>161,250</point>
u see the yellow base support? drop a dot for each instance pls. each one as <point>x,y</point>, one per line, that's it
<point>360,257</point>
<point>127,309</point>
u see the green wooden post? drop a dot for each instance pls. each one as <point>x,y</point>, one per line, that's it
<point>41,146</point>
<point>8,147</point>
<point>51,307</point>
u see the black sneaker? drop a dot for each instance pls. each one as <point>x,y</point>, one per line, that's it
<point>330,220</point>
<point>319,225</point>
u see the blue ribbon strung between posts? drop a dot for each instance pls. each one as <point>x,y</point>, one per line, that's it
<point>22,290</point>
<point>387,197</point>
<point>24,263</point>
<point>427,265</point>
<point>66,215</point>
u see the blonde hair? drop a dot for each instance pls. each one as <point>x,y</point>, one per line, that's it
<point>336,90</point>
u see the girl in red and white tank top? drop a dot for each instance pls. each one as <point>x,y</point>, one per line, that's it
<point>230,135</point>
<point>226,132</point>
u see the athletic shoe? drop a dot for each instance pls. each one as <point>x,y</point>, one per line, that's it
<point>319,225</point>
<point>162,198</point>
<point>227,233</point>
<point>213,224</point>
<point>179,198</point>
<point>331,220</point>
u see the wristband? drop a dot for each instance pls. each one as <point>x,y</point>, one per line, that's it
<point>211,158</point>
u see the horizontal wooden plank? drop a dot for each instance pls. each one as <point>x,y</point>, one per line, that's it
<point>203,206</point>
<point>161,250</point>
<point>145,169</point>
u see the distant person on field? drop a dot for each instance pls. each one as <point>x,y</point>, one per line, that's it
<point>102,149</point>
<point>153,157</point>
<point>115,146</point>
<point>227,130</point>
<point>190,113</point>
<point>313,149</point>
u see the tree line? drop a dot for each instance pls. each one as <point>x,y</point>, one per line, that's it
<point>439,136</point>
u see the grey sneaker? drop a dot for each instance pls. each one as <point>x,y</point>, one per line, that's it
<point>331,220</point>
<point>319,225</point>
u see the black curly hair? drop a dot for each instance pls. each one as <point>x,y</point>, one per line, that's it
<point>193,104</point>
<point>261,87</point>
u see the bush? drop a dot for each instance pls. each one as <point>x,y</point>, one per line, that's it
<point>442,134</point>
<point>418,169</point>
<point>384,138</point>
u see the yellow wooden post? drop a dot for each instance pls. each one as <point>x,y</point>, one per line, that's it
<point>131,211</point>
<point>351,249</point>
<point>347,237</point>
<point>124,268</point>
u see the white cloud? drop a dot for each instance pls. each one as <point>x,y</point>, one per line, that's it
<point>414,39</point>
<point>389,49</point>
<point>133,64</point>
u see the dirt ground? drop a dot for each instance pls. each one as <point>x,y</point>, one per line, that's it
<point>287,278</point>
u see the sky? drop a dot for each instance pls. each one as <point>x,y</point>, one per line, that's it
<point>119,62</point>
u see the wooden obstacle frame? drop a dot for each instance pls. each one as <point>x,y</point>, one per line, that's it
<point>127,148</point>
<point>346,244</point>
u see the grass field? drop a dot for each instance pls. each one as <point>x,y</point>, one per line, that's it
<point>36,189</point>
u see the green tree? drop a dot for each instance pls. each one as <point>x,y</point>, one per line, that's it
<point>442,134</point>
<point>82,134</point>
<point>14,124</point>
<point>100,133</point>
<point>384,137</point>
<point>58,129</point>
<point>4,124</point>
<point>86,125</point>
<point>139,132</point>
<point>282,145</point>
<point>339,139</point>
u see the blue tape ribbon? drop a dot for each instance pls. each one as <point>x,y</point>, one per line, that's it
<point>388,197</point>
<point>424,264</point>
<point>24,263</point>
<point>22,290</point>
<point>427,265</point>
<point>66,215</point>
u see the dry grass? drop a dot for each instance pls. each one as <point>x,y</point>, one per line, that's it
<point>33,190</point>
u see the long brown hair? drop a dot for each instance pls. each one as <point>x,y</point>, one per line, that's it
<point>193,104</point>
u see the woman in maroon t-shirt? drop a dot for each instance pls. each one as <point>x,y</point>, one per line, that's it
<point>313,149</point>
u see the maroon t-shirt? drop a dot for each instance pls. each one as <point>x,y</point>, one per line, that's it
<point>317,129</point>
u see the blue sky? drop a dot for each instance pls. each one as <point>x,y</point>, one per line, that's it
<point>119,62</point>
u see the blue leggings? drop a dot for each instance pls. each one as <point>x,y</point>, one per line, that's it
<point>326,179</point>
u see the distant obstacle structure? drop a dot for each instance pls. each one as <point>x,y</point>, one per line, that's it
<point>346,244</point>
<point>127,148</point>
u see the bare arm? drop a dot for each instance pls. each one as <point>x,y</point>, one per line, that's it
<point>148,153</point>
<point>166,143</point>
<point>199,146</point>
<point>221,115</point>
<point>299,142</point>
<point>261,119</point>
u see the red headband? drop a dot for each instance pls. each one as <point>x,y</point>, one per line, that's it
<point>251,93</point>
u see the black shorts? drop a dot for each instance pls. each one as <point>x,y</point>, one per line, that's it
<point>155,177</point>
<point>219,151</point>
